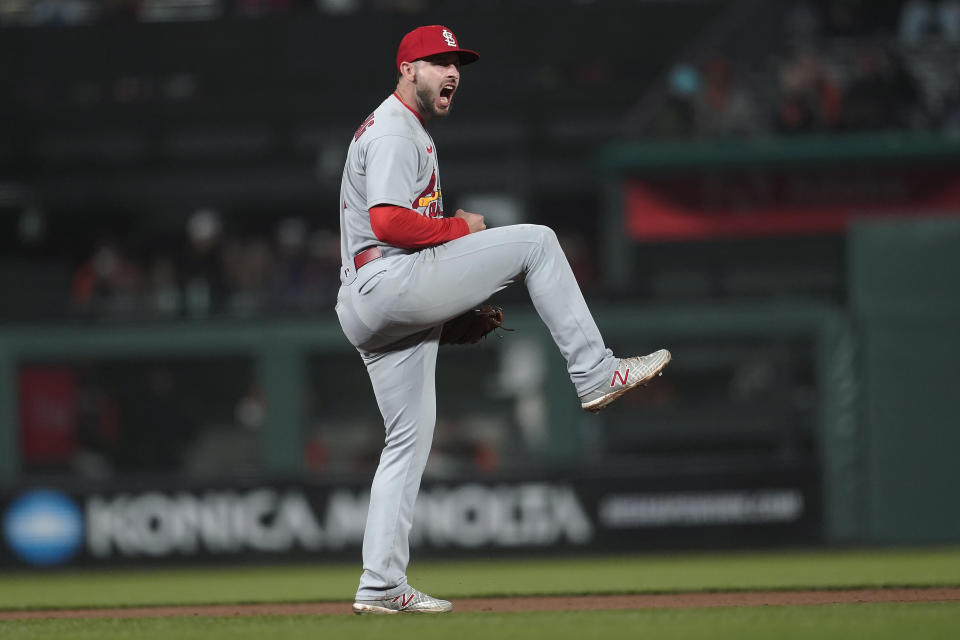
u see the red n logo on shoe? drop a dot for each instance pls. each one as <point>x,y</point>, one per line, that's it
<point>404,601</point>
<point>623,377</point>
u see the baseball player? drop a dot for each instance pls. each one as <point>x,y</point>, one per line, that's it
<point>407,269</point>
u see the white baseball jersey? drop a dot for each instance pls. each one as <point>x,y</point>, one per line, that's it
<point>393,314</point>
<point>392,160</point>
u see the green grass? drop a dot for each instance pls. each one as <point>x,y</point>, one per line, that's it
<point>839,622</point>
<point>623,574</point>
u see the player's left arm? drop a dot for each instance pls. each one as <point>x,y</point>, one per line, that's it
<point>407,229</point>
<point>392,164</point>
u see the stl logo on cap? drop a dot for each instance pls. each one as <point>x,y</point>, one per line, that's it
<point>431,40</point>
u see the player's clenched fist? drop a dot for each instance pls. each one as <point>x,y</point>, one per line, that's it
<point>474,220</point>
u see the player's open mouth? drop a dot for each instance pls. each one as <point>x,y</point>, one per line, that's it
<point>446,94</point>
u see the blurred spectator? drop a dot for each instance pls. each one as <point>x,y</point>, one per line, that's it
<point>248,267</point>
<point>725,106</point>
<point>922,21</point>
<point>106,282</point>
<point>810,99</point>
<point>63,12</point>
<point>179,10</point>
<point>201,265</point>
<point>13,11</point>
<point>916,21</point>
<point>258,8</point>
<point>948,111</point>
<point>801,22</point>
<point>292,269</point>
<point>163,295</point>
<point>881,94</point>
<point>581,259</point>
<point>120,10</point>
<point>679,118</point>
<point>324,273</point>
<point>850,17</point>
<point>251,409</point>
<point>306,273</point>
<point>157,431</point>
<point>465,443</point>
<point>32,225</point>
<point>949,20</point>
<point>98,425</point>
<point>400,6</point>
<point>48,12</point>
<point>338,7</point>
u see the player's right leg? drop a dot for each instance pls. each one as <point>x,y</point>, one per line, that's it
<point>431,286</point>
<point>406,294</point>
<point>403,381</point>
<point>436,284</point>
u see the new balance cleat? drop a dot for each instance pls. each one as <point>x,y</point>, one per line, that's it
<point>629,374</point>
<point>410,601</point>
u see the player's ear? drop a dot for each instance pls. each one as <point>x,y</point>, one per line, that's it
<point>408,70</point>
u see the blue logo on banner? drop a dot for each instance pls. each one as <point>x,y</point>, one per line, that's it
<point>43,527</point>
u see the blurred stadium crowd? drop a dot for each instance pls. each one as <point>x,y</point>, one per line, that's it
<point>525,141</point>
<point>843,66</point>
<point>839,71</point>
<point>211,274</point>
<point>76,12</point>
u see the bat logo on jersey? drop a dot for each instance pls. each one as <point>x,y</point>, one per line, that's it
<point>448,36</point>
<point>430,198</point>
<point>363,128</point>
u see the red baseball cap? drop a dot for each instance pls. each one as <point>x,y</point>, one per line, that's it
<point>429,41</point>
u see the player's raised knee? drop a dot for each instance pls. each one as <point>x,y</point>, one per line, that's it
<point>548,235</point>
<point>541,233</point>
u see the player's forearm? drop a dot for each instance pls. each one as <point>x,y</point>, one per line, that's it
<point>407,229</point>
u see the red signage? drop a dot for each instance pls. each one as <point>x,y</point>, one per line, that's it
<point>48,414</point>
<point>756,204</point>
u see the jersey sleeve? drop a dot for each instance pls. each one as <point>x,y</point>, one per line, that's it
<point>407,229</point>
<point>392,164</point>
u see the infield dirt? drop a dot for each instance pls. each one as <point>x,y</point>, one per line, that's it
<point>527,603</point>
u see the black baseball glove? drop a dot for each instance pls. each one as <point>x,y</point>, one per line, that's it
<point>472,326</point>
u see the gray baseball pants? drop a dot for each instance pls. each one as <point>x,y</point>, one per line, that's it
<point>393,313</point>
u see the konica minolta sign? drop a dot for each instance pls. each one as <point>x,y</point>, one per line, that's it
<point>43,527</point>
<point>50,526</point>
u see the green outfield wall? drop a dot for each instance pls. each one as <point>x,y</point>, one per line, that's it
<point>280,350</point>
<point>885,374</point>
<point>905,279</point>
<point>894,200</point>
<point>884,363</point>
